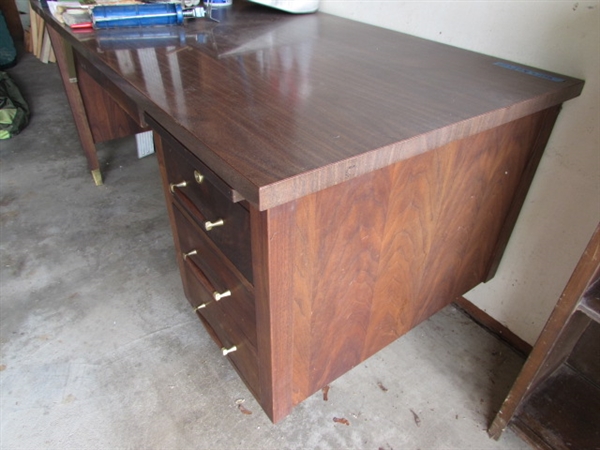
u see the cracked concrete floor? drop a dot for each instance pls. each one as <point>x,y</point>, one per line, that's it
<point>101,350</point>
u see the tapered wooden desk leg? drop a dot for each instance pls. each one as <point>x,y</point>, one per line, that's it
<point>66,66</point>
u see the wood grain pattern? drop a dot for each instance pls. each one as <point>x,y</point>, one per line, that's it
<point>382,173</point>
<point>272,260</point>
<point>372,258</point>
<point>112,89</point>
<point>106,117</point>
<point>311,101</point>
<point>526,179</point>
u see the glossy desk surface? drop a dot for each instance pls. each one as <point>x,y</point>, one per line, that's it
<point>281,106</point>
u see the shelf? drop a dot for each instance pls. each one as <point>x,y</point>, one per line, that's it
<point>560,413</point>
<point>590,302</point>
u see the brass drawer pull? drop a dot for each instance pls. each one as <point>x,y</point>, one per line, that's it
<point>210,225</point>
<point>192,253</point>
<point>218,296</point>
<point>206,284</point>
<point>172,186</point>
<point>201,306</point>
<point>225,351</point>
<point>198,177</point>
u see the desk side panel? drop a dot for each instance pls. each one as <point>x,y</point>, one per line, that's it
<point>371,258</point>
<point>271,237</point>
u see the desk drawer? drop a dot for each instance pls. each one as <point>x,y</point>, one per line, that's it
<point>210,202</point>
<point>228,321</point>
<point>223,329</point>
<point>220,288</point>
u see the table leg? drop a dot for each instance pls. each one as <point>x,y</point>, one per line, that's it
<point>66,65</point>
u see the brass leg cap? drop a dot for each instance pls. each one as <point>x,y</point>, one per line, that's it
<point>97,176</point>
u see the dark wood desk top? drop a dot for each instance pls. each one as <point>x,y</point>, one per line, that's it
<point>281,106</point>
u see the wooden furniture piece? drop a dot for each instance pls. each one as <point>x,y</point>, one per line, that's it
<point>13,20</point>
<point>101,111</point>
<point>555,401</point>
<point>330,184</point>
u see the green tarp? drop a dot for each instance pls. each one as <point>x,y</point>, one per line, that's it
<point>14,111</point>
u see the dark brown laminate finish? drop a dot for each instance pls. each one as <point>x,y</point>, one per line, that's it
<point>371,177</point>
<point>289,105</point>
<point>208,264</point>
<point>535,156</point>
<point>209,200</point>
<point>106,117</point>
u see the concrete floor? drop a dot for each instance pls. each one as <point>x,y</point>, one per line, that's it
<point>100,348</point>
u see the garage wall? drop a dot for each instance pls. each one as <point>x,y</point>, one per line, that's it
<point>563,206</point>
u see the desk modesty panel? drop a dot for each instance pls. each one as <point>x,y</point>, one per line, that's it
<point>330,184</point>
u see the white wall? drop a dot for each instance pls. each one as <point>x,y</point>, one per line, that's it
<point>563,205</point>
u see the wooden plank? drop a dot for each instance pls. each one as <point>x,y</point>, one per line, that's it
<point>524,432</point>
<point>41,27</point>
<point>46,47</point>
<point>491,324</point>
<point>34,30</point>
<point>28,46</point>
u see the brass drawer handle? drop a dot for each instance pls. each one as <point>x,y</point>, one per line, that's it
<point>172,186</point>
<point>210,225</point>
<point>218,296</point>
<point>201,306</point>
<point>225,351</point>
<point>192,253</point>
<point>198,177</point>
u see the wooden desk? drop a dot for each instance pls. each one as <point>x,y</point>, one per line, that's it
<point>364,178</point>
